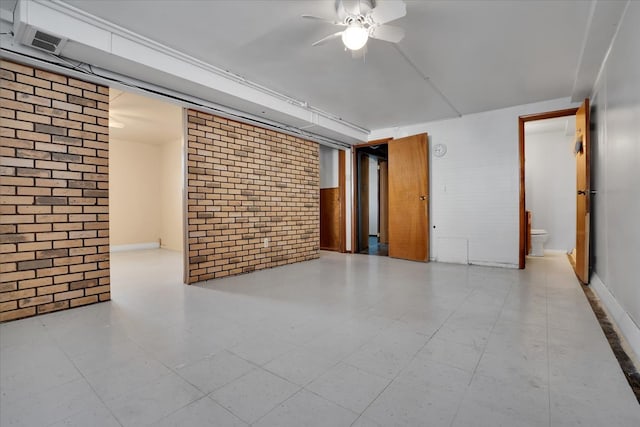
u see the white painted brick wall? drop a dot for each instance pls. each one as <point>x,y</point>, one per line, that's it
<point>475,186</point>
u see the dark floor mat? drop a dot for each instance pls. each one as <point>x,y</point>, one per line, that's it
<point>628,368</point>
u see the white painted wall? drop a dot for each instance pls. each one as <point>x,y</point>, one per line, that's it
<point>171,205</point>
<point>550,183</point>
<point>373,196</point>
<point>134,192</point>
<point>616,178</point>
<point>475,186</point>
<point>328,167</point>
<point>145,194</point>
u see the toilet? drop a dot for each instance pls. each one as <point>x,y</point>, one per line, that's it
<point>538,238</point>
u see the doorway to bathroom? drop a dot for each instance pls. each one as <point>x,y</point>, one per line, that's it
<point>554,191</point>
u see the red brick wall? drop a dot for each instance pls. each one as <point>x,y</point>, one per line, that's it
<point>54,224</point>
<point>247,184</point>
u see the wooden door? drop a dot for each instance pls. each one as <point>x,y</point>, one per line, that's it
<point>330,219</point>
<point>363,203</point>
<point>342,189</point>
<point>384,202</point>
<point>409,198</point>
<point>583,193</point>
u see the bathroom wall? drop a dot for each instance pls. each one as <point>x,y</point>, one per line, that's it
<point>616,179</point>
<point>475,185</point>
<point>550,180</point>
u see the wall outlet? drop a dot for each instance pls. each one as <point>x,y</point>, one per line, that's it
<point>266,242</point>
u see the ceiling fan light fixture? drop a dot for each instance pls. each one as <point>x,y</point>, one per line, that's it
<point>355,36</point>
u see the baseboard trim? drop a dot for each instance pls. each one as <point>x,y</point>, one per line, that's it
<point>493,264</point>
<point>618,315</point>
<point>134,247</point>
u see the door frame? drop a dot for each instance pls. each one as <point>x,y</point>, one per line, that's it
<point>342,190</point>
<point>354,177</point>
<point>522,254</point>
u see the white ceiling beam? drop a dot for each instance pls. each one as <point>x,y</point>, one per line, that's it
<point>602,25</point>
<point>98,42</point>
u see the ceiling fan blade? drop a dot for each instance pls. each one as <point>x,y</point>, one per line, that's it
<point>326,20</point>
<point>326,39</point>
<point>387,33</point>
<point>387,11</point>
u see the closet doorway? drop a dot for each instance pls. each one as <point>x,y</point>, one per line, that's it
<point>396,221</point>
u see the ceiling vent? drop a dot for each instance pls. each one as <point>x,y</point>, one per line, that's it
<point>43,41</point>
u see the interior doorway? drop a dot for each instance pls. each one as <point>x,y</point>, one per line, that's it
<point>372,199</point>
<point>550,185</point>
<point>391,206</point>
<point>146,179</point>
<point>575,178</point>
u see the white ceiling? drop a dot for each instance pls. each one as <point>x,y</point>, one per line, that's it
<point>145,119</point>
<point>457,58</point>
<point>480,55</point>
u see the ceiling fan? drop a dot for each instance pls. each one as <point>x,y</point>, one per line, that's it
<point>363,21</point>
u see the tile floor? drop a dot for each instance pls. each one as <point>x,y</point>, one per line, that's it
<point>346,340</point>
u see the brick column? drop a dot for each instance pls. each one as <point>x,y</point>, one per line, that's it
<point>253,198</point>
<point>54,224</point>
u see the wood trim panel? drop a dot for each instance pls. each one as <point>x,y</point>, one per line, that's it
<point>522,255</point>
<point>384,202</point>
<point>550,114</point>
<point>522,232</point>
<point>354,202</point>
<point>342,188</point>
<point>330,219</point>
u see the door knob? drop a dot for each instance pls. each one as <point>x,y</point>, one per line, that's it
<point>582,193</point>
<point>423,197</point>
